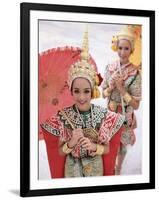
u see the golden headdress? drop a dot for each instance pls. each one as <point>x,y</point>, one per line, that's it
<point>84,69</point>
<point>126,33</point>
<point>132,33</point>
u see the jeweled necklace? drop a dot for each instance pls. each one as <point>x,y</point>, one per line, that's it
<point>88,132</point>
<point>84,125</point>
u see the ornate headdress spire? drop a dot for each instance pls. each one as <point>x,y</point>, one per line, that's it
<point>85,47</point>
<point>84,69</point>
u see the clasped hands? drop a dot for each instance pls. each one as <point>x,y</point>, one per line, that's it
<point>80,139</point>
<point>116,81</point>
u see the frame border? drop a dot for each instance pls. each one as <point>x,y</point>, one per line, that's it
<point>25,9</point>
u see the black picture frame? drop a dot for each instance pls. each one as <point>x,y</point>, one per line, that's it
<point>25,9</point>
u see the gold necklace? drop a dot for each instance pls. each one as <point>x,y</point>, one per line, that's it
<point>84,125</point>
<point>91,133</point>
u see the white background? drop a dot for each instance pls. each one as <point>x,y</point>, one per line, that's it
<point>10,99</point>
<point>52,36</point>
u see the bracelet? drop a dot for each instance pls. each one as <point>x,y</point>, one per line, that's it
<point>66,149</point>
<point>127,97</point>
<point>100,149</point>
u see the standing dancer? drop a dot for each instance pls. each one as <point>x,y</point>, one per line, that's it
<point>122,88</point>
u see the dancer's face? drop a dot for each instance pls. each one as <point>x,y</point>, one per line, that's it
<point>81,91</point>
<point>124,50</point>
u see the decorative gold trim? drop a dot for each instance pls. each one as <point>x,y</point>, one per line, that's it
<point>66,149</point>
<point>100,149</point>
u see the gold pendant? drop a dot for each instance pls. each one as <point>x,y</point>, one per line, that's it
<point>91,133</point>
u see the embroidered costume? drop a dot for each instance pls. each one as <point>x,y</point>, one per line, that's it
<point>122,84</point>
<point>80,162</point>
<point>132,84</point>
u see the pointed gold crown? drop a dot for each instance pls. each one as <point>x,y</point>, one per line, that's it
<point>82,68</point>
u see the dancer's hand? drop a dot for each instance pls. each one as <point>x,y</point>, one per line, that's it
<point>119,83</point>
<point>76,135</point>
<point>113,79</point>
<point>87,144</point>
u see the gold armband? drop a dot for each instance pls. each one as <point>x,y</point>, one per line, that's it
<point>100,149</point>
<point>66,149</point>
<point>127,97</point>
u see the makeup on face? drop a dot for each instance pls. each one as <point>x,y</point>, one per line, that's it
<point>81,91</point>
<point>124,50</point>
